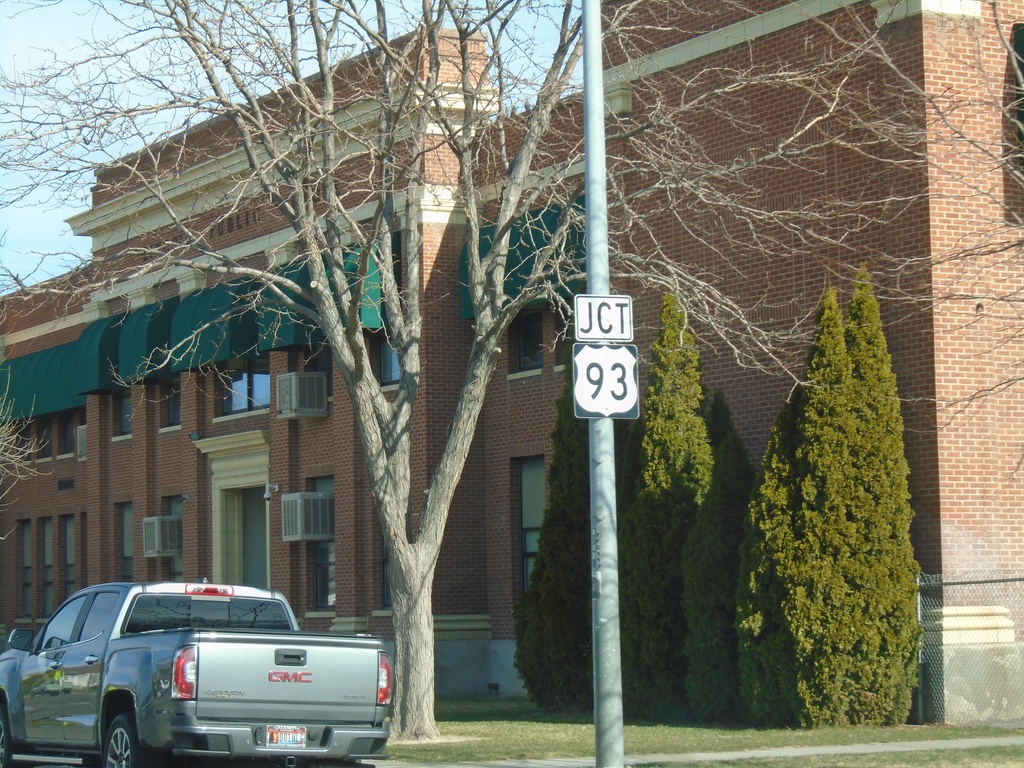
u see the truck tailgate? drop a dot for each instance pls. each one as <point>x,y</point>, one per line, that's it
<point>278,678</point>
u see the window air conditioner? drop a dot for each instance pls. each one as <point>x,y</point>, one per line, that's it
<point>161,536</point>
<point>307,517</point>
<point>301,394</point>
<point>80,441</point>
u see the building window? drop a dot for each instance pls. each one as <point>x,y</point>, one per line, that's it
<point>325,594</point>
<point>69,554</point>
<point>25,441</point>
<point>44,438</point>
<point>172,508</point>
<point>324,578</point>
<point>390,370</point>
<point>126,522</point>
<point>26,567</point>
<point>67,424</point>
<point>531,506</point>
<point>46,534</point>
<point>528,341</point>
<point>385,572</point>
<point>322,361</point>
<point>123,413</point>
<point>170,400</point>
<point>246,385</point>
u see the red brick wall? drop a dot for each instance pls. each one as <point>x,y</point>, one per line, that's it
<point>949,340</point>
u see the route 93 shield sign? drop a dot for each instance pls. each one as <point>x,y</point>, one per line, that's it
<point>605,381</point>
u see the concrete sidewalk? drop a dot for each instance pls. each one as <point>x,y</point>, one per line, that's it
<point>748,754</point>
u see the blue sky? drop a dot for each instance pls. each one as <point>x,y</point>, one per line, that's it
<point>37,226</point>
<point>32,36</point>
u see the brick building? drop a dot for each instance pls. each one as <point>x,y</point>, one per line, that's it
<point>237,459</point>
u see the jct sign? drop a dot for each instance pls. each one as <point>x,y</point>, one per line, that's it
<point>604,318</point>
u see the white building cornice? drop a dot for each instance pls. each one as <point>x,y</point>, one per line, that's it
<point>895,10</point>
<point>769,23</point>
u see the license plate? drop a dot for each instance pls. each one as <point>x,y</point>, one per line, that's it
<point>286,736</point>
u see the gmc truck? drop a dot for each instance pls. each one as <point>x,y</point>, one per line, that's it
<point>131,674</point>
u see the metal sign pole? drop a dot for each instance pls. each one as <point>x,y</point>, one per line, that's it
<point>604,546</point>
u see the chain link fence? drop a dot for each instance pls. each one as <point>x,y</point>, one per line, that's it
<point>972,655</point>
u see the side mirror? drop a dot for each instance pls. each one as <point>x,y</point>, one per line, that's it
<point>21,639</point>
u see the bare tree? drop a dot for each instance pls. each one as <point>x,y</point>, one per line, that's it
<point>340,121</point>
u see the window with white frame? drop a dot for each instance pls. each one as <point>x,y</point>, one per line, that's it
<point>69,554</point>
<point>67,426</point>
<point>123,412</point>
<point>44,437</point>
<point>527,334</point>
<point>531,508</point>
<point>25,538</point>
<point>390,370</point>
<point>245,385</point>
<point>172,508</point>
<point>170,400</point>
<point>46,534</point>
<point>324,578</point>
<point>124,517</point>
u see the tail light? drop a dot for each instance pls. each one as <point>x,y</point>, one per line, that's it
<point>385,679</point>
<point>183,676</point>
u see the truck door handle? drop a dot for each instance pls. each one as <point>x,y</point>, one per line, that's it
<point>91,659</point>
<point>290,657</point>
<point>56,664</point>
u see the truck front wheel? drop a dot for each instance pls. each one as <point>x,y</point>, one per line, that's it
<point>121,748</point>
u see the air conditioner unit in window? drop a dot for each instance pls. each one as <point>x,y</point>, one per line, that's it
<point>301,394</point>
<point>161,536</point>
<point>307,517</point>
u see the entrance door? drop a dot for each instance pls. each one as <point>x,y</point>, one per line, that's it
<point>244,535</point>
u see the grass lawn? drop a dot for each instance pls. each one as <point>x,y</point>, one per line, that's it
<point>501,728</point>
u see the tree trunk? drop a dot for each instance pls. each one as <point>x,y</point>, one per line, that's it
<point>412,614</point>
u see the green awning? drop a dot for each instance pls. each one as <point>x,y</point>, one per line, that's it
<point>97,355</point>
<point>145,330</point>
<point>281,326</point>
<point>371,312</point>
<point>213,325</point>
<point>41,382</point>
<point>530,234</point>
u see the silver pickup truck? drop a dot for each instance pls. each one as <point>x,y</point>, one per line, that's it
<point>134,673</point>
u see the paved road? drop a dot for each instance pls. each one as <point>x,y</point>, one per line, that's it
<point>698,757</point>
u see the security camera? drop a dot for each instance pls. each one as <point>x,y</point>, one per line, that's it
<point>266,494</point>
<point>270,489</point>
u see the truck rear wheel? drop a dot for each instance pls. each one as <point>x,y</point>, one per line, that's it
<point>121,748</point>
<point>6,748</point>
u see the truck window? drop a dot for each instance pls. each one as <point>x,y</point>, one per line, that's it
<point>154,612</point>
<point>100,614</point>
<point>62,626</point>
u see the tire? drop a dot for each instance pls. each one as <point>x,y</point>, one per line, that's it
<point>6,748</point>
<point>121,747</point>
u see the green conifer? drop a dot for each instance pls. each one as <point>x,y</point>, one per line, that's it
<point>827,596</point>
<point>711,571</point>
<point>817,603</point>
<point>675,474</point>
<point>766,647</point>
<point>884,573</point>
<point>553,620</point>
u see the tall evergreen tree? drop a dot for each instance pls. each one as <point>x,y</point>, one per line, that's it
<point>711,572</point>
<point>766,645</point>
<point>817,606</point>
<point>553,625</point>
<point>827,596</point>
<point>884,574</point>
<point>675,474</point>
